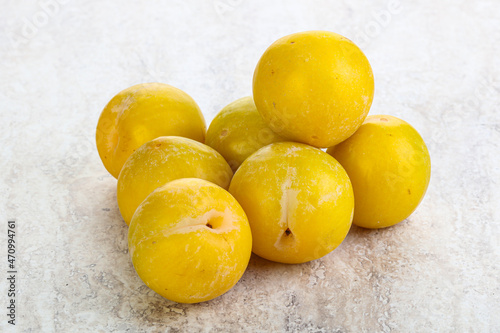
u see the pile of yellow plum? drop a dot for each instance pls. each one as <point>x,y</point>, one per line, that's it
<point>193,223</point>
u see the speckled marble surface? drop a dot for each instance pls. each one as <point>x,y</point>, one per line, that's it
<point>436,65</point>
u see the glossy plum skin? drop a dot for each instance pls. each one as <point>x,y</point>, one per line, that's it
<point>238,131</point>
<point>314,87</point>
<point>298,200</point>
<point>190,241</point>
<point>389,167</point>
<point>165,159</point>
<point>142,113</point>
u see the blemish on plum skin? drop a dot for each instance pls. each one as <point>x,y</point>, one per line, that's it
<point>272,71</point>
<point>288,232</point>
<point>409,192</point>
<point>274,105</point>
<point>292,42</point>
<point>153,242</point>
<point>209,225</point>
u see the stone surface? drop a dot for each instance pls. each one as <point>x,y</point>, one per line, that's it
<point>436,65</point>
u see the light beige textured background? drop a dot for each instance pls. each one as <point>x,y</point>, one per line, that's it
<point>436,65</point>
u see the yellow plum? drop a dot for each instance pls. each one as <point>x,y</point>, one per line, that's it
<point>389,167</point>
<point>162,160</point>
<point>142,113</point>
<point>238,130</point>
<point>190,241</point>
<point>314,87</point>
<point>298,200</point>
